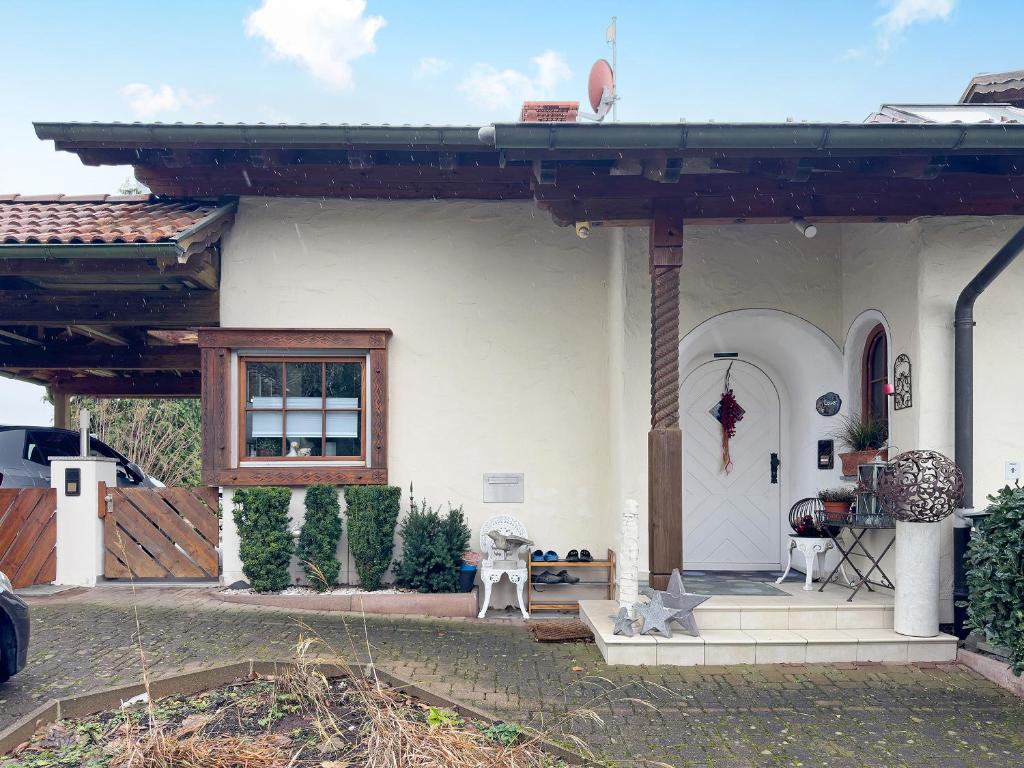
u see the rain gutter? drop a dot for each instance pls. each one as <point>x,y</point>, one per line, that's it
<point>118,135</point>
<point>963,411</point>
<point>782,137</point>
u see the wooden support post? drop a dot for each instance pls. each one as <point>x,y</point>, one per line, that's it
<point>665,440</point>
<point>61,408</point>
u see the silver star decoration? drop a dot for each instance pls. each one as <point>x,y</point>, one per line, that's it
<point>623,624</point>
<point>682,602</point>
<point>655,616</point>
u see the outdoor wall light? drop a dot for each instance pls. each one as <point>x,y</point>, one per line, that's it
<point>805,229</point>
<point>582,229</point>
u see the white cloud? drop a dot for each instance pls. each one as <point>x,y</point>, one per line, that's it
<point>431,66</point>
<point>492,88</point>
<point>147,103</point>
<point>324,36</point>
<point>904,13</point>
<point>851,54</point>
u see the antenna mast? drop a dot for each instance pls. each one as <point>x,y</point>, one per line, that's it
<point>610,38</point>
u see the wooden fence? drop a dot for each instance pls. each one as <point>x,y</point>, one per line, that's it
<point>159,533</point>
<point>28,535</point>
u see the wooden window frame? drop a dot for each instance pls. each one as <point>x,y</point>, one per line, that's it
<point>244,409</point>
<point>223,459</point>
<point>877,334</point>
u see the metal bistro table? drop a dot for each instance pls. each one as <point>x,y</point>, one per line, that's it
<point>858,528</point>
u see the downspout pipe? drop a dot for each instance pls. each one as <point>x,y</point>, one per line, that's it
<point>963,360</point>
<point>963,412</point>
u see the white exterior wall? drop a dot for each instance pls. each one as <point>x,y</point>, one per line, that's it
<point>499,359</point>
<point>519,347</point>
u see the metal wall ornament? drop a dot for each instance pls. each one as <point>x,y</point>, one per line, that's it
<point>902,383</point>
<point>828,404</point>
<point>921,487</point>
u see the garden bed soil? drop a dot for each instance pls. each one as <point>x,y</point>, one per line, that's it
<point>445,605</point>
<point>299,716</point>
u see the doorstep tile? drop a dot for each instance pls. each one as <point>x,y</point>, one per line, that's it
<point>813,618</point>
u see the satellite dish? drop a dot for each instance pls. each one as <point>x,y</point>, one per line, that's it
<point>601,88</point>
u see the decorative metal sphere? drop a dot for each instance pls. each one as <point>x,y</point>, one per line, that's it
<point>920,487</point>
<point>804,508</point>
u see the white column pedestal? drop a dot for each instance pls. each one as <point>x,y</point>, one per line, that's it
<point>230,543</point>
<point>917,579</point>
<point>79,527</point>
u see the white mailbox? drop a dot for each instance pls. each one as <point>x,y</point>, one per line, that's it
<point>504,487</point>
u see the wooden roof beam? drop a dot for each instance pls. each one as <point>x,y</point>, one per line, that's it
<point>164,309</point>
<point>69,357</point>
<point>135,385</point>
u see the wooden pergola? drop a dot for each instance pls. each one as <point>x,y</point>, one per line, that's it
<point>663,177</point>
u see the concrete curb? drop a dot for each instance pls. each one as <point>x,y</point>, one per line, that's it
<point>201,678</point>
<point>447,605</point>
<point>993,670</point>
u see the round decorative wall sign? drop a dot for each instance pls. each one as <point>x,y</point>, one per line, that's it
<point>829,404</point>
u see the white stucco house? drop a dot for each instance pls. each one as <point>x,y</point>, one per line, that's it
<point>394,304</point>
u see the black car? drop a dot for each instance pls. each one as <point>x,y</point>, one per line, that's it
<point>13,630</point>
<point>25,454</point>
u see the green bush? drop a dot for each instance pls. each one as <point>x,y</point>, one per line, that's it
<point>432,547</point>
<point>321,531</point>
<point>995,574</point>
<point>261,517</point>
<point>372,514</point>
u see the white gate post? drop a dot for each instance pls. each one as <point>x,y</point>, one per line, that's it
<point>79,527</point>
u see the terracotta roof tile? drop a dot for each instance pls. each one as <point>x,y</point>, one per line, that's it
<point>30,219</point>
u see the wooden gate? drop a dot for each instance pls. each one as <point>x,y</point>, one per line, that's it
<point>159,533</point>
<point>28,535</point>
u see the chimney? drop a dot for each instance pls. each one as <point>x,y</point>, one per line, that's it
<point>549,112</point>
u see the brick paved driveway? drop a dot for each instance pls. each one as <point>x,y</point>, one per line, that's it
<point>864,715</point>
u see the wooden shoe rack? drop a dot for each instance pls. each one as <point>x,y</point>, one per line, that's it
<point>538,566</point>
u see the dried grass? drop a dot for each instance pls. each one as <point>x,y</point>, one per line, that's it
<point>159,749</point>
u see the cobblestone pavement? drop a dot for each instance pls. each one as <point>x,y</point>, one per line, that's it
<point>793,715</point>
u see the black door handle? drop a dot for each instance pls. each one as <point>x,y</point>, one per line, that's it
<point>775,468</point>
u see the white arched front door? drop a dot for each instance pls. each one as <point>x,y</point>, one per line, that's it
<point>730,521</point>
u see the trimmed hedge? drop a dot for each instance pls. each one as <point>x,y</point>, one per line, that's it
<point>372,512</point>
<point>261,517</point>
<point>321,532</point>
<point>995,574</point>
<point>432,548</point>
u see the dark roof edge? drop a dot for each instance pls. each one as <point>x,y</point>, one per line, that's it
<point>162,134</point>
<point>824,137</point>
<point>679,137</point>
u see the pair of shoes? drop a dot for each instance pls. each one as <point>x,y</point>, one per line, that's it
<point>583,556</point>
<point>547,577</point>
<point>538,556</point>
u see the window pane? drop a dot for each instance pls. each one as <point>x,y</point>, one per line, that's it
<point>344,385</point>
<point>344,436</point>
<point>264,385</point>
<point>304,433</point>
<point>878,363</point>
<point>263,434</point>
<point>305,385</point>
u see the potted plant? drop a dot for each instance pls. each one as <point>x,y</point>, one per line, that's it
<point>863,437</point>
<point>837,503</point>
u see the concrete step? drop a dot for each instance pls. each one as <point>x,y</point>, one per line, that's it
<point>756,645</point>
<point>730,613</point>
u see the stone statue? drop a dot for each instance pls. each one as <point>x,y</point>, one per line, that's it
<point>510,544</point>
<point>629,557</point>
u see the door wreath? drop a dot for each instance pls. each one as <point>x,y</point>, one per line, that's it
<point>730,413</point>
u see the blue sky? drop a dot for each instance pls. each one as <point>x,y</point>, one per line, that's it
<point>467,63</point>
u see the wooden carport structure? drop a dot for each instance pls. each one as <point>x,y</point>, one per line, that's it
<point>662,177</point>
<point>100,295</point>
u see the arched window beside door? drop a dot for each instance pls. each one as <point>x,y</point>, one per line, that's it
<point>876,376</point>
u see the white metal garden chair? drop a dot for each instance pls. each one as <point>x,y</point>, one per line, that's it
<point>497,563</point>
